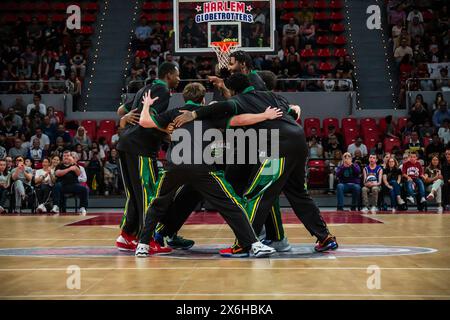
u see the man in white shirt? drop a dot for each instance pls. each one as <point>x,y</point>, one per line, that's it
<point>43,139</point>
<point>413,14</point>
<point>402,51</point>
<point>258,16</point>
<point>291,33</point>
<point>444,131</point>
<point>358,145</point>
<point>82,178</point>
<point>36,106</point>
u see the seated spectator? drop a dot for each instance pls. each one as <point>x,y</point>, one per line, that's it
<point>54,120</point>
<point>82,178</point>
<point>55,161</point>
<point>315,149</point>
<point>111,173</point>
<point>390,128</point>
<point>142,34</point>
<point>115,137</point>
<point>358,145</point>
<point>313,133</point>
<point>19,106</point>
<point>82,138</point>
<point>4,184</point>
<point>372,177</point>
<point>308,34</point>
<point>412,172</point>
<point>9,163</point>
<point>56,84</point>
<point>21,177</point>
<point>82,155</point>
<point>291,33</point>
<point>446,180</point>
<point>378,150</point>
<point>67,174</point>
<point>61,132</point>
<point>402,51</point>
<point>103,148</point>
<point>48,128</point>
<point>94,170</point>
<point>17,150</point>
<point>332,132</point>
<point>8,129</point>
<point>418,113</point>
<point>414,143</point>
<point>332,146</point>
<point>44,140</point>
<point>434,181</point>
<point>78,62</point>
<point>436,147</point>
<point>392,177</point>
<point>348,176</point>
<point>427,130</point>
<point>441,114</point>
<point>332,163</point>
<point>44,180</point>
<point>3,152</point>
<point>437,101</point>
<point>444,131</point>
<point>15,118</point>
<point>36,153</point>
<point>36,107</point>
<point>58,148</point>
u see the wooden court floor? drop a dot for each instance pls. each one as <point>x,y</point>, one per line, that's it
<point>412,276</point>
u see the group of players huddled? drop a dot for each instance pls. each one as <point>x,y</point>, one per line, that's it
<point>245,194</point>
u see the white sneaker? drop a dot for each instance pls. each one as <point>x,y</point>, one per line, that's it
<point>410,199</point>
<point>393,210</point>
<point>400,201</point>
<point>41,209</point>
<point>261,250</point>
<point>440,209</point>
<point>365,210</point>
<point>430,197</point>
<point>2,210</point>
<point>55,209</point>
<point>142,250</point>
<point>373,210</point>
<point>423,200</point>
<point>83,211</point>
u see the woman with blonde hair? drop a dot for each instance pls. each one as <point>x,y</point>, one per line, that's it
<point>82,138</point>
<point>434,182</point>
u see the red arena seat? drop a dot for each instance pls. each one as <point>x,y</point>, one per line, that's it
<point>324,53</point>
<point>91,128</point>
<point>109,125</point>
<point>401,123</point>
<point>106,134</point>
<point>390,143</point>
<point>368,122</point>
<point>328,121</point>
<point>310,123</point>
<point>336,4</point>
<point>317,173</point>
<point>337,28</point>
<point>349,123</point>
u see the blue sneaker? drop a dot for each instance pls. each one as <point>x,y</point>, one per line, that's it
<point>328,244</point>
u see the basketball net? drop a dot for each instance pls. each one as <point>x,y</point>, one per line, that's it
<point>223,49</point>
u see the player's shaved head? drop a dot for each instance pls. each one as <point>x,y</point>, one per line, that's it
<point>238,82</point>
<point>269,78</point>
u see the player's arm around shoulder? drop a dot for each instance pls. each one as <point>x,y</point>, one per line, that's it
<point>249,119</point>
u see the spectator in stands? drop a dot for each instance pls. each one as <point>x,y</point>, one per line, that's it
<point>36,107</point>
<point>315,149</point>
<point>78,61</point>
<point>44,140</point>
<point>9,130</point>
<point>21,176</point>
<point>397,15</point>
<point>23,68</point>
<point>332,163</point>
<point>94,170</point>
<point>82,154</point>
<point>191,34</point>
<point>82,178</point>
<point>446,180</point>
<point>358,145</point>
<point>48,128</point>
<point>396,31</point>
<point>134,82</point>
<point>332,132</point>
<point>433,180</point>
<point>36,85</point>
<point>415,28</point>
<point>427,130</point>
<point>3,152</point>
<point>17,150</point>
<point>436,147</point>
<point>444,131</point>
<point>205,68</point>
<point>44,180</point>
<point>112,173</point>
<point>392,177</point>
<point>402,50</point>
<point>437,101</point>
<point>328,84</point>
<point>19,106</point>
<point>391,131</point>
<point>34,30</point>
<point>413,173</point>
<point>50,35</point>
<point>427,84</point>
<point>9,163</point>
<point>67,173</point>
<point>74,87</point>
<point>443,82</point>
<point>332,146</point>
<point>51,114</point>
<point>56,83</point>
<point>142,33</point>
<point>158,32</point>
<point>116,136</point>
<point>138,67</point>
<point>21,85</point>
<point>414,144</point>
<point>441,114</point>
<point>61,132</point>
<point>55,161</point>
<point>306,14</point>
<point>36,153</point>
<point>308,34</point>
<point>103,148</point>
<point>372,177</point>
<point>418,112</point>
<point>58,147</point>
<point>4,184</point>
<point>313,133</point>
<point>348,176</point>
<point>311,85</point>
<point>291,33</point>
<point>82,138</point>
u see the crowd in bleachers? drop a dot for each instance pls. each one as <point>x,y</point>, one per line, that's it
<point>34,137</point>
<point>419,33</point>
<point>311,41</point>
<point>341,153</point>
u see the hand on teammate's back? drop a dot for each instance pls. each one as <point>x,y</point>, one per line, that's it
<point>132,117</point>
<point>273,113</point>
<point>216,81</point>
<point>185,117</point>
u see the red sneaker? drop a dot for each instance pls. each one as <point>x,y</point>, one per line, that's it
<point>126,242</point>
<point>234,252</point>
<point>156,248</point>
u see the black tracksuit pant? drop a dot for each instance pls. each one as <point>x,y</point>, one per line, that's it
<point>213,188</point>
<point>292,182</point>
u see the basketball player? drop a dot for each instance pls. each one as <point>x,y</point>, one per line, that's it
<point>292,160</point>
<point>138,148</point>
<point>201,175</point>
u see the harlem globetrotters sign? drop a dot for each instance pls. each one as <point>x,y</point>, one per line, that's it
<point>224,11</point>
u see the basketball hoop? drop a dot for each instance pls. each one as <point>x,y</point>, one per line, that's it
<point>223,49</point>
